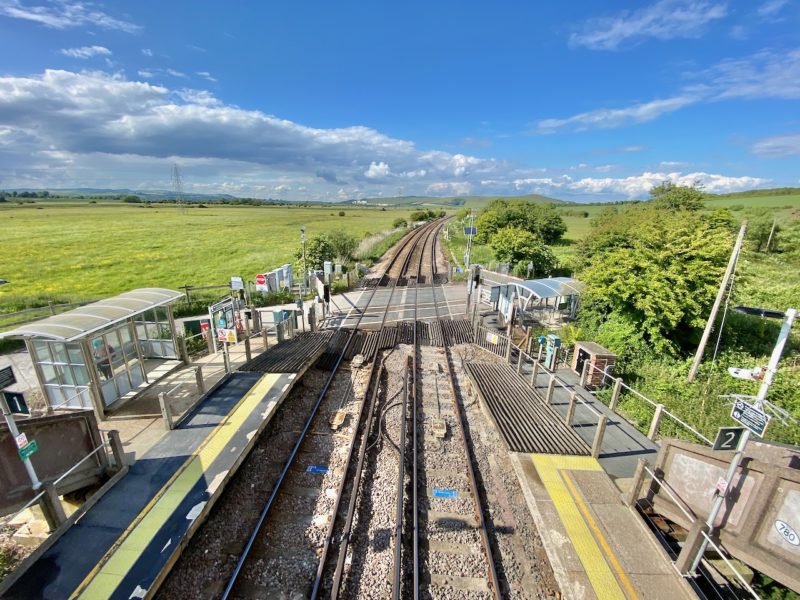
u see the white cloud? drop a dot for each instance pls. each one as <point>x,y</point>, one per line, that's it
<point>86,52</point>
<point>147,52</point>
<point>771,7</point>
<point>672,164</point>
<point>765,74</point>
<point>377,171</point>
<point>456,188</point>
<point>638,186</point>
<point>778,147</point>
<point>206,75</point>
<point>605,118</point>
<point>146,73</point>
<point>664,20</point>
<point>93,129</point>
<point>65,14</point>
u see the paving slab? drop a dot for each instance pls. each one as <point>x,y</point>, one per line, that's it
<point>598,547</point>
<point>120,546</point>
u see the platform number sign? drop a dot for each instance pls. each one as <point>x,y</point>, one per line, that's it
<point>728,438</point>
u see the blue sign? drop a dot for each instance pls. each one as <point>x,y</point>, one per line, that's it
<point>317,470</point>
<point>444,493</point>
<point>16,403</point>
<point>470,231</point>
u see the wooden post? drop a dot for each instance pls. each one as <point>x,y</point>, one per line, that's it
<point>210,340</point>
<point>256,318</point>
<point>508,350</point>
<point>475,312</point>
<point>573,399</point>
<point>198,377</point>
<point>265,335</point>
<point>550,387</point>
<point>247,353</point>
<point>771,233</point>
<point>585,372</point>
<point>51,307</point>
<point>539,355</point>
<point>695,541</point>
<point>597,444</point>
<point>184,350</point>
<point>720,294</point>
<point>165,413</point>
<point>117,450</point>
<point>52,508</point>
<point>519,361</point>
<point>534,373</point>
<point>656,422</point>
<point>226,359</point>
<point>615,394</point>
<point>636,485</point>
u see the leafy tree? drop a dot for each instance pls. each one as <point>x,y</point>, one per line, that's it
<point>341,213</point>
<point>537,218</point>
<point>343,245</point>
<point>670,196</point>
<point>519,247</point>
<point>318,250</point>
<point>400,222</point>
<point>653,276</point>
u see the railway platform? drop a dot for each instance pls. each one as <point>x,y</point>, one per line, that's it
<point>124,545</point>
<point>598,548</point>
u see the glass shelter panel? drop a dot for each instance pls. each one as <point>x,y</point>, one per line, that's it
<point>155,334</point>
<point>64,375</point>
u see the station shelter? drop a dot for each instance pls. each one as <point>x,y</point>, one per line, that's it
<point>546,301</point>
<point>95,355</point>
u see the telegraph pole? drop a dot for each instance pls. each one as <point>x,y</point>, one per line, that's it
<point>720,294</point>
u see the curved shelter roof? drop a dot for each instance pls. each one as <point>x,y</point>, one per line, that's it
<point>552,287</point>
<point>79,322</point>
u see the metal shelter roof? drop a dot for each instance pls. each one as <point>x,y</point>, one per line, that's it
<point>79,322</point>
<point>552,287</point>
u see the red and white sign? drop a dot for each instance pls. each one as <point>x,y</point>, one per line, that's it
<point>261,279</point>
<point>722,486</point>
<point>22,440</point>
<point>227,335</point>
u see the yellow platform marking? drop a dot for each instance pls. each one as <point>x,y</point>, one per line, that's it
<point>580,526</point>
<point>120,558</point>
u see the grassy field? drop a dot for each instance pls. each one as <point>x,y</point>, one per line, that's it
<point>71,251</point>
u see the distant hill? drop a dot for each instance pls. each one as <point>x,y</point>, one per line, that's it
<point>784,191</point>
<point>447,201</point>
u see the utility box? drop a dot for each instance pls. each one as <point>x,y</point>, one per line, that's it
<point>551,351</point>
<point>601,360</point>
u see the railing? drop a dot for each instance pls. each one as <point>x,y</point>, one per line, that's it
<point>659,410</point>
<point>687,557</point>
<point>51,309</point>
<point>501,345</point>
<point>48,496</point>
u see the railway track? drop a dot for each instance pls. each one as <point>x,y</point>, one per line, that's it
<point>450,544</point>
<point>280,505</point>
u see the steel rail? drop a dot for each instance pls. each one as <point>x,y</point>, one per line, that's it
<point>356,480</point>
<point>494,582</point>
<point>414,236</point>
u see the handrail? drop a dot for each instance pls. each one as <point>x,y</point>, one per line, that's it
<point>671,415</point>
<point>679,502</point>
<point>30,503</point>
<point>77,464</point>
<point>731,567</point>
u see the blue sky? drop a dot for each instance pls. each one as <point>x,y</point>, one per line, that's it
<point>345,100</point>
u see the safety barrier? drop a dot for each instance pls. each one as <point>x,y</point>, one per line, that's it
<point>686,560</point>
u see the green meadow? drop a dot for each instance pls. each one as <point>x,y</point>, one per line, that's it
<point>75,251</point>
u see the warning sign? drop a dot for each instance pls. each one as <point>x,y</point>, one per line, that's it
<point>492,338</point>
<point>227,335</point>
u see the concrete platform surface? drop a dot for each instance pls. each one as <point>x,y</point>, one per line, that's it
<point>599,548</point>
<point>119,547</point>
